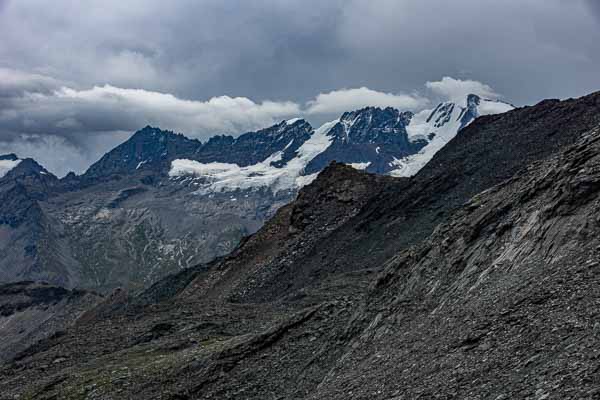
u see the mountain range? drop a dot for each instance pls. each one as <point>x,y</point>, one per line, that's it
<point>476,277</point>
<point>160,202</point>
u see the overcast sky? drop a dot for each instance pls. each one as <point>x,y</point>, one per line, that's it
<point>78,77</point>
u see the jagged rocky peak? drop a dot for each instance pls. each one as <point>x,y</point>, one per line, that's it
<point>285,137</point>
<point>23,183</point>
<point>295,123</point>
<point>255,147</point>
<point>439,126</point>
<point>371,138</point>
<point>282,133</point>
<point>294,129</point>
<point>373,125</point>
<point>147,149</point>
<point>29,167</point>
<point>70,177</point>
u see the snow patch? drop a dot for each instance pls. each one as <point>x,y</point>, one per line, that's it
<point>183,167</point>
<point>141,163</point>
<point>292,121</point>
<point>304,180</point>
<point>7,165</point>
<point>490,107</point>
<point>360,166</point>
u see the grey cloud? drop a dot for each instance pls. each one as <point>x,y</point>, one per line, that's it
<point>270,49</point>
<point>594,6</point>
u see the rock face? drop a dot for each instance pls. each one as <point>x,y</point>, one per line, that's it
<point>161,202</point>
<point>498,302</point>
<point>372,137</point>
<point>30,246</point>
<point>148,149</point>
<point>473,279</point>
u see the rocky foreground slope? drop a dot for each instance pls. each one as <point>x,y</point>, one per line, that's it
<point>474,279</point>
<point>160,202</point>
<point>30,312</point>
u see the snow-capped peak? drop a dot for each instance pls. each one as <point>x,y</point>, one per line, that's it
<point>440,125</point>
<point>290,154</point>
<point>372,125</point>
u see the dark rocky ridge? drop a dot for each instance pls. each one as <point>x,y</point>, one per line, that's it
<point>254,147</point>
<point>368,134</point>
<point>294,317</point>
<point>152,149</point>
<point>500,302</point>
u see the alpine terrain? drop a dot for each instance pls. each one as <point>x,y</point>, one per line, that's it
<point>161,202</point>
<point>476,277</point>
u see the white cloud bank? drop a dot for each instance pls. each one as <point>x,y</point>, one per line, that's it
<point>218,114</point>
<point>339,101</point>
<point>35,104</point>
<point>457,90</point>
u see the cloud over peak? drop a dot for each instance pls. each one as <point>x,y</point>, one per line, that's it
<point>339,101</point>
<point>457,90</point>
<point>201,119</point>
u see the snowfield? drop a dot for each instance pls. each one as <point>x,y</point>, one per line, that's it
<point>222,177</point>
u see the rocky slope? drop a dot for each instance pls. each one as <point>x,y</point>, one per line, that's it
<point>500,302</point>
<point>32,311</point>
<point>473,279</point>
<point>161,202</point>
